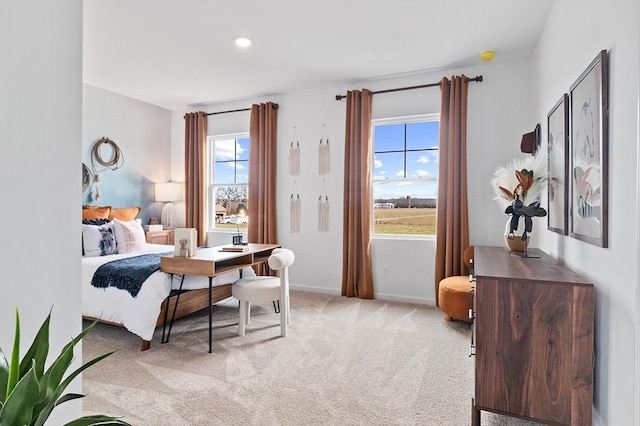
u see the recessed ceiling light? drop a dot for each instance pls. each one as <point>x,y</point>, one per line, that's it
<point>243,41</point>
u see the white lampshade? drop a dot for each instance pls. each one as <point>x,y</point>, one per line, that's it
<point>168,192</point>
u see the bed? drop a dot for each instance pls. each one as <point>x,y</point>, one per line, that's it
<point>109,240</point>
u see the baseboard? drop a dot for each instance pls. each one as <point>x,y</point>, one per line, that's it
<point>378,296</point>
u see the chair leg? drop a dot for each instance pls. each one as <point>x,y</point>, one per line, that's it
<point>242,317</point>
<point>283,319</point>
<point>247,313</point>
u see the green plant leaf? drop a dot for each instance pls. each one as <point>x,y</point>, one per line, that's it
<point>18,408</point>
<point>39,349</point>
<point>97,420</point>
<point>69,397</point>
<point>14,367</point>
<point>52,378</point>
<point>54,401</point>
<point>4,376</point>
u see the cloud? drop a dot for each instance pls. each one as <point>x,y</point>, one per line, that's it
<point>423,159</point>
<point>421,173</point>
<point>377,163</point>
<point>400,173</point>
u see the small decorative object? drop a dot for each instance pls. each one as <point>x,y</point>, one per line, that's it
<point>185,242</point>
<point>323,153</point>
<point>30,392</point>
<point>153,221</point>
<point>294,155</point>
<point>517,189</point>
<point>531,141</point>
<point>294,210</point>
<point>589,105</point>
<point>323,210</point>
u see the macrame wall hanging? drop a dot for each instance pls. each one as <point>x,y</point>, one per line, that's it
<point>294,210</point>
<point>113,163</point>
<point>294,155</point>
<point>323,210</point>
<point>323,152</point>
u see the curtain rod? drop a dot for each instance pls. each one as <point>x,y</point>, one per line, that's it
<point>476,79</point>
<point>235,110</point>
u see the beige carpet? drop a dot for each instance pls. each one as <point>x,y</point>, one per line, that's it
<point>346,361</point>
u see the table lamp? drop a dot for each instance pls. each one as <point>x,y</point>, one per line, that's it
<point>241,213</point>
<point>168,193</point>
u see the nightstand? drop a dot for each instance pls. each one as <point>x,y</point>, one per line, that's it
<point>160,237</point>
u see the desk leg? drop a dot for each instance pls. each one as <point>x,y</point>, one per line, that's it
<point>210,310</point>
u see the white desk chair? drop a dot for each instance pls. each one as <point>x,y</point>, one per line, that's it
<point>266,289</point>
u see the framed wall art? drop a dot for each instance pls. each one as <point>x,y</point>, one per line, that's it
<point>589,105</point>
<point>558,166</point>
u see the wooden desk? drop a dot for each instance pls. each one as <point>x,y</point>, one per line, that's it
<point>210,262</point>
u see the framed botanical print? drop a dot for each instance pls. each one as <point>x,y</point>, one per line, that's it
<point>589,105</point>
<point>558,166</point>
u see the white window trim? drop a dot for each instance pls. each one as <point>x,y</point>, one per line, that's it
<point>398,120</point>
<point>210,176</point>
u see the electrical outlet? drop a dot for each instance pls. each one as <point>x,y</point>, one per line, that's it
<point>385,271</point>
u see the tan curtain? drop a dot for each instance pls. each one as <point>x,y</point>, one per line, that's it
<point>357,274</point>
<point>195,140</point>
<point>262,174</point>
<point>452,232</point>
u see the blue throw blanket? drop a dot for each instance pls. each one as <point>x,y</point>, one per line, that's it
<point>127,274</point>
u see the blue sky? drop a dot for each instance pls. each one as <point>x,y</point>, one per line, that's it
<point>227,150</point>
<point>421,165</point>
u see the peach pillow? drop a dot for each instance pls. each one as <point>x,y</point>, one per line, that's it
<point>94,212</point>
<point>124,214</point>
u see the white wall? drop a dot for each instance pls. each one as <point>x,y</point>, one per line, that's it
<point>143,133</point>
<point>40,140</point>
<point>574,34</point>
<point>499,108</point>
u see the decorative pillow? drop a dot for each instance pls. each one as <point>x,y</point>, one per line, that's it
<point>92,213</point>
<point>98,240</point>
<point>124,214</point>
<point>130,236</point>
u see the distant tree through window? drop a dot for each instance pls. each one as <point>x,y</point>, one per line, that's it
<point>228,178</point>
<point>405,175</point>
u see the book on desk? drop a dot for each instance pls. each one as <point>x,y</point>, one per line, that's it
<point>239,249</point>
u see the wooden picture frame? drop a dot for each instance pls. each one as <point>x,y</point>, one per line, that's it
<point>589,105</point>
<point>558,166</point>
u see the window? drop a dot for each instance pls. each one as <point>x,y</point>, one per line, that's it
<point>228,174</point>
<point>405,175</point>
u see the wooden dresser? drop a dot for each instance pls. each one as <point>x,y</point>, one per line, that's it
<point>533,338</point>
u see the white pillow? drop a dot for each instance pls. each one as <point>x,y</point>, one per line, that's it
<point>98,240</point>
<point>129,236</point>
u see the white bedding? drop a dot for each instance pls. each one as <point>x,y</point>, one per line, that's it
<point>138,314</point>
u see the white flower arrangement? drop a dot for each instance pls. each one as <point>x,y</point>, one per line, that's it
<point>526,177</point>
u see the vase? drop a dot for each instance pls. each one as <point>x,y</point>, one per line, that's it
<point>514,241</point>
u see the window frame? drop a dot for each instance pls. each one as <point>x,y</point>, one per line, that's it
<point>399,120</point>
<point>212,185</point>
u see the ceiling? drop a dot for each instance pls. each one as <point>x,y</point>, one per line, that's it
<point>180,54</point>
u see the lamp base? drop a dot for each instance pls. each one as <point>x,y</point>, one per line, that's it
<point>167,217</point>
<point>237,240</point>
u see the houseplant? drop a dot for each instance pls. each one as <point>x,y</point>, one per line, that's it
<point>29,392</point>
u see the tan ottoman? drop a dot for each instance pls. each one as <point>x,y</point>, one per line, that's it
<point>456,298</point>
